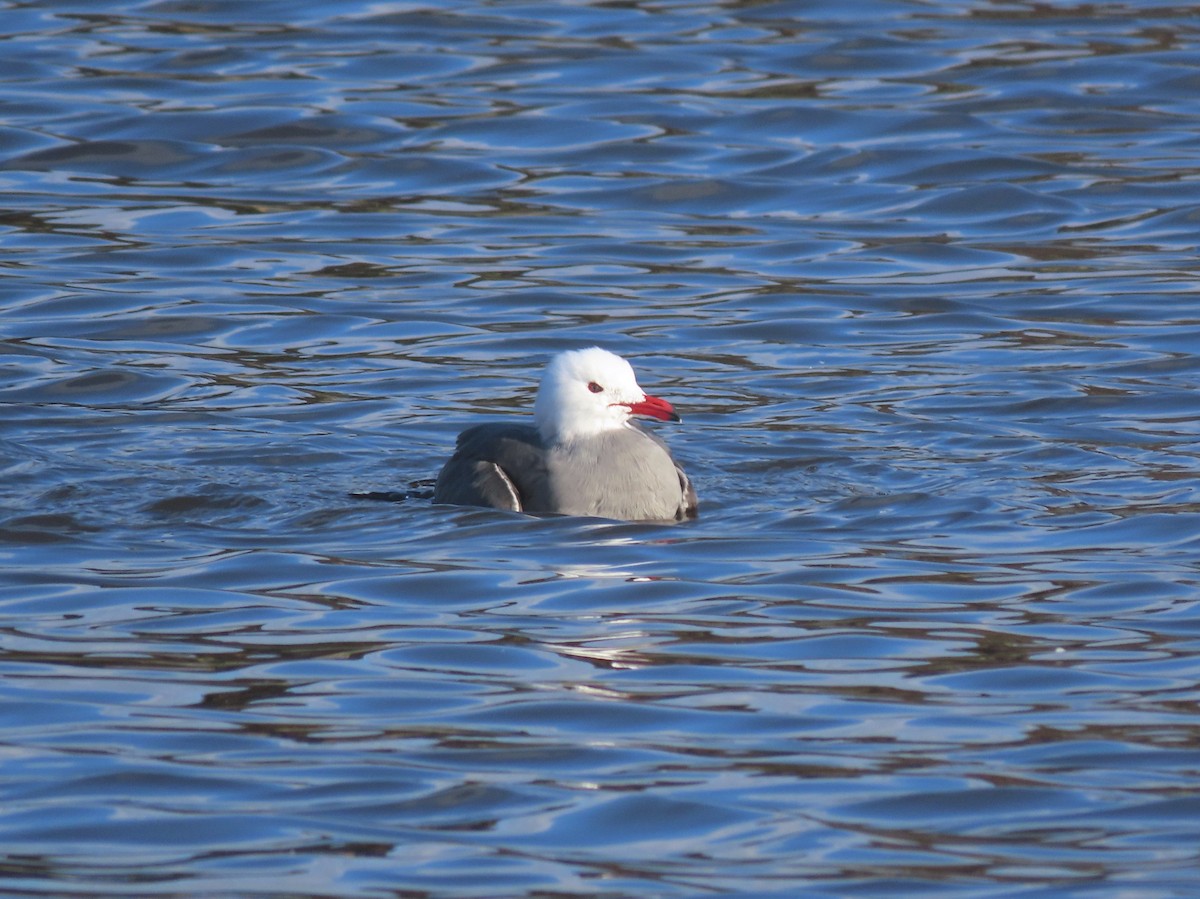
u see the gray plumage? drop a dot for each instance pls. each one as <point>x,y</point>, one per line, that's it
<point>571,463</point>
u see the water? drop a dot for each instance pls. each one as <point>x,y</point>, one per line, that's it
<point>920,277</point>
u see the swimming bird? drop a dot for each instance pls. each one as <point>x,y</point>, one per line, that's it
<point>583,454</point>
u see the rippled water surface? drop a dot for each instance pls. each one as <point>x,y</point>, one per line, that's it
<point>921,278</point>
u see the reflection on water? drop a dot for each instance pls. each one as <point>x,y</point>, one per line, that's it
<point>921,278</point>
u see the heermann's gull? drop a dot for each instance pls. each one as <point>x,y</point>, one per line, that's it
<point>582,455</point>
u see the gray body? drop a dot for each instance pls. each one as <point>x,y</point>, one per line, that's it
<point>625,473</point>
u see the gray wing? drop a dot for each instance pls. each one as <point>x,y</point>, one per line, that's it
<point>691,505</point>
<point>496,465</point>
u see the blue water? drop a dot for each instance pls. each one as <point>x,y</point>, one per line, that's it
<point>921,278</point>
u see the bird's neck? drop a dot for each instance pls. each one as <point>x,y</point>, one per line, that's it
<point>572,431</point>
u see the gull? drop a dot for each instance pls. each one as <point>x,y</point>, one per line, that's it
<point>583,455</point>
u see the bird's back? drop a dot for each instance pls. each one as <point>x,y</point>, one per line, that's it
<point>498,465</point>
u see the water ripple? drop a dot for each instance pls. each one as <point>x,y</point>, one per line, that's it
<point>920,279</point>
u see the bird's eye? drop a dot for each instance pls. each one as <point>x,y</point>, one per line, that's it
<point>595,388</point>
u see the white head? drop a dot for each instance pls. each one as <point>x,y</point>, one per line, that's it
<point>587,392</point>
